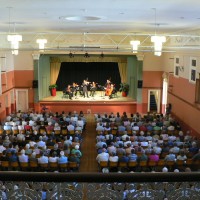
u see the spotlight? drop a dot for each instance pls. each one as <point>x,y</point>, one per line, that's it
<point>71,55</point>
<point>86,55</point>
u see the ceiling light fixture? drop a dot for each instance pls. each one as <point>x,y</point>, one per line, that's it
<point>135,44</point>
<point>157,40</point>
<point>14,40</point>
<point>41,43</point>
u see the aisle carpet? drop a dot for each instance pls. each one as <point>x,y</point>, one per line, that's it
<point>88,161</point>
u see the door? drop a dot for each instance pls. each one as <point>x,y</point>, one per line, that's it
<point>22,100</point>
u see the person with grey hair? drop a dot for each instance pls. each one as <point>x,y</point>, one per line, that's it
<point>43,159</point>
<point>62,159</point>
<point>105,170</point>
<point>28,151</point>
<point>41,143</point>
<point>23,157</point>
<point>165,169</point>
<point>171,156</point>
<point>33,158</point>
<point>102,156</point>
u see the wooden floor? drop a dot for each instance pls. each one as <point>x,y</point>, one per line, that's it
<point>99,96</point>
<point>88,161</point>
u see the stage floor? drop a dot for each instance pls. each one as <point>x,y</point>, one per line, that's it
<point>99,96</point>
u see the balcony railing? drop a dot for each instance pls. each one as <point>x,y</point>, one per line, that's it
<point>99,186</point>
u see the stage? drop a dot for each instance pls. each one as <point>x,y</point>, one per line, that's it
<point>97,104</point>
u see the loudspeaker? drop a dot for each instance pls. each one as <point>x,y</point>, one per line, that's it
<point>35,84</point>
<point>140,82</point>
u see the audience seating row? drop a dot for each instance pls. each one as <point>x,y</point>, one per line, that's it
<point>149,165</point>
<point>35,166</point>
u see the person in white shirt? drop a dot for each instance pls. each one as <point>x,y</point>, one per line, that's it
<point>157,149</point>
<point>70,127</point>
<point>112,148</point>
<point>175,149</point>
<point>14,127</point>
<point>113,157</point>
<point>41,143</point>
<point>144,144</point>
<point>43,159</point>
<point>20,137</point>
<point>100,127</point>
<point>20,127</point>
<point>127,142</point>
<point>31,122</point>
<point>80,122</point>
<point>23,157</point>
<point>53,158</point>
<point>7,126</point>
<point>102,156</point>
<point>32,142</point>
<point>2,148</point>
<point>125,136</point>
<point>57,127</point>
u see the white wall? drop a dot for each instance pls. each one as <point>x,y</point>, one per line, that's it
<point>6,61</point>
<point>24,61</point>
<point>152,62</point>
<point>168,60</point>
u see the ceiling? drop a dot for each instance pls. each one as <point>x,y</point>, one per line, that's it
<point>100,26</point>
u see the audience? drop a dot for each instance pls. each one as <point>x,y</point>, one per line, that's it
<point>53,137</point>
<point>152,137</point>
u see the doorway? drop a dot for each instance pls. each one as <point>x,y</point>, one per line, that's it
<point>154,101</point>
<point>22,100</point>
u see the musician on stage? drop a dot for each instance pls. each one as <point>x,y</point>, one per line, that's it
<point>69,92</point>
<point>74,89</point>
<point>85,89</point>
<point>113,91</point>
<point>108,88</point>
<point>93,89</point>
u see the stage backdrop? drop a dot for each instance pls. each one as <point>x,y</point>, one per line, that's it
<point>98,72</point>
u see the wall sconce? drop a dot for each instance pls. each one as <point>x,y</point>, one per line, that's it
<point>41,43</point>
<point>135,44</point>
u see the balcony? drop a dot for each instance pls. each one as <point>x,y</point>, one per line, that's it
<point>99,186</point>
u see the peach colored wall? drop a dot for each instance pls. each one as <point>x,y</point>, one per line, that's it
<point>152,78</point>
<point>182,88</point>
<point>187,113</point>
<point>23,78</point>
<point>10,81</point>
<point>7,87</point>
<point>7,80</point>
<point>182,97</point>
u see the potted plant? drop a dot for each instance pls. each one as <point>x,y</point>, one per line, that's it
<point>124,88</point>
<point>52,88</point>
